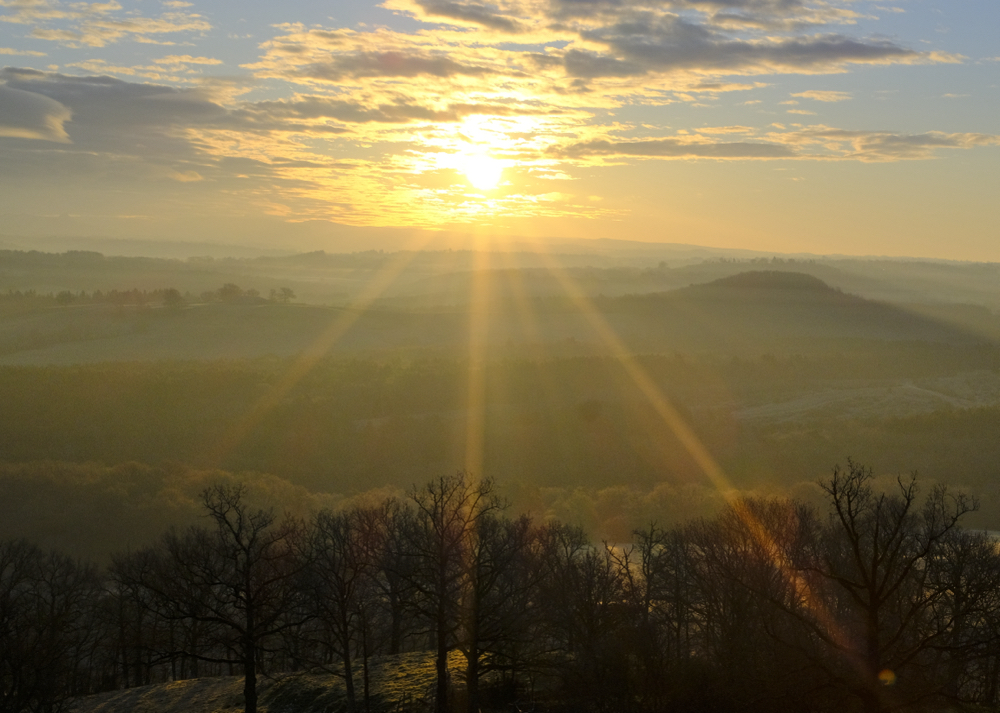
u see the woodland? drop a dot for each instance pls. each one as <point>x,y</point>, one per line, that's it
<point>882,602</point>
<point>259,468</point>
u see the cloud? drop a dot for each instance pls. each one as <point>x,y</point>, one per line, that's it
<point>186,59</point>
<point>737,15</point>
<point>477,14</point>
<point>22,53</point>
<point>27,115</point>
<point>82,24</point>
<point>369,59</point>
<point>367,124</point>
<point>186,176</point>
<point>389,64</point>
<point>674,148</point>
<point>726,130</point>
<point>157,73</point>
<point>610,51</point>
<point>590,65</point>
<point>811,143</point>
<point>824,96</point>
<point>673,44</point>
<point>127,133</point>
<point>114,115</point>
<point>713,86</point>
<point>879,146</point>
<point>306,111</point>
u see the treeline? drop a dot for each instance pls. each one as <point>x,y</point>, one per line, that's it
<point>168,296</point>
<point>884,602</point>
<point>136,297</point>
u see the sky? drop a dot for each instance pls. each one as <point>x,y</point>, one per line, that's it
<point>827,127</point>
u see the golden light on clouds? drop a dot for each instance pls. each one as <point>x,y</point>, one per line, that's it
<point>425,113</point>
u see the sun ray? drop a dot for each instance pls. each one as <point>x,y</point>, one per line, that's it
<point>305,362</point>
<point>479,317</point>
<point>522,301</point>
<point>675,422</point>
<point>664,408</point>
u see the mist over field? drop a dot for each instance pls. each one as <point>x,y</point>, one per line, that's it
<point>293,368</point>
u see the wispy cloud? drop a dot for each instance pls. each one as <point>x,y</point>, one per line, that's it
<point>97,24</point>
<point>824,96</point>
<point>20,53</point>
<point>880,146</point>
<point>184,59</point>
<point>674,148</point>
<point>813,143</point>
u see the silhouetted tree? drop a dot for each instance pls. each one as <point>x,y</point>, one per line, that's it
<point>48,604</point>
<point>448,511</point>
<point>882,556</point>
<point>497,600</point>
<point>345,547</point>
<point>283,295</point>
<point>240,578</point>
<point>173,298</point>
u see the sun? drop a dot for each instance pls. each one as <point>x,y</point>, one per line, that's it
<point>484,172</point>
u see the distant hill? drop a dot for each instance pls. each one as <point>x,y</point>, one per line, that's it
<point>783,309</point>
<point>770,280</point>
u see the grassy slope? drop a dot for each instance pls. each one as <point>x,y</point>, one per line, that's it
<point>398,682</point>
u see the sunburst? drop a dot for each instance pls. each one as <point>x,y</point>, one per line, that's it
<point>483,171</point>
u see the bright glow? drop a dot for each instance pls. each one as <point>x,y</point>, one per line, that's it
<point>482,171</point>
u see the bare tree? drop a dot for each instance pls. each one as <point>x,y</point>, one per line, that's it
<point>750,597</point>
<point>881,552</point>
<point>497,601</point>
<point>395,575</point>
<point>239,579</point>
<point>448,511</point>
<point>344,558</point>
<point>47,607</point>
<point>583,595</point>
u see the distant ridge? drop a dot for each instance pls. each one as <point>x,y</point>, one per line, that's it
<point>771,280</point>
<point>778,286</point>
